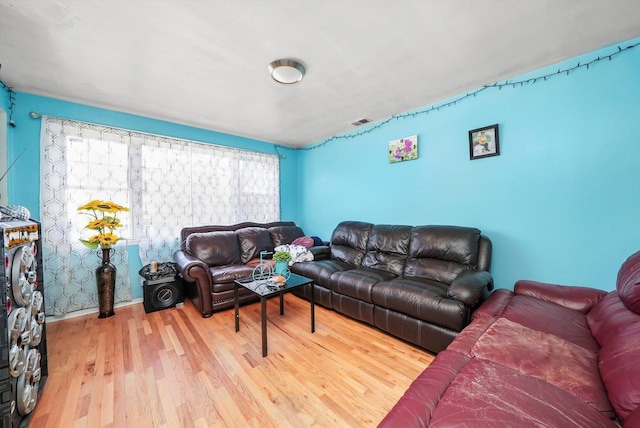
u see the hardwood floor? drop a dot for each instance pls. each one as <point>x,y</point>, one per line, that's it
<point>173,368</point>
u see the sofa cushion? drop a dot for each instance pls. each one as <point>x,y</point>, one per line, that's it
<point>421,299</point>
<point>387,248</point>
<point>617,329</point>
<point>281,235</point>
<point>252,241</point>
<point>349,241</point>
<point>580,299</point>
<point>466,340</point>
<point>215,248</point>
<point>223,276</point>
<point>487,394</point>
<point>441,253</point>
<point>628,283</point>
<point>304,241</point>
<point>320,270</point>
<point>358,283</point>
<point>553,319</point>
<point>453,243</point>
<point>545,356</point>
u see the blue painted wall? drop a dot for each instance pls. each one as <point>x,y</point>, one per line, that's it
<point>4,107</point>
<point>4,102</point>
<point>562,201</point>
<point>24,178</point>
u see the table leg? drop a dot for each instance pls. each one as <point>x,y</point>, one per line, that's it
<point>281,303</point>
<point>313,309</point>
<point>263,310</point>
<point>236,304</point>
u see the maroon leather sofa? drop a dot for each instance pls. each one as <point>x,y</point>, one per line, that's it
<point>541,355</point>
<point>212,257</point>
<point>418,283</point>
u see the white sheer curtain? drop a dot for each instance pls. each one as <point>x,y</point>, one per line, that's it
<point>80,162</point>
<point>183,183</point>
<point>168,183</point>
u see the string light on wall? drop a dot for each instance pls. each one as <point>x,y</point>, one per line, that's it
<point>12,100</point>
<point>498,85</point>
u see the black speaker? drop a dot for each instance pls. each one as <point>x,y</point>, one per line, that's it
<point>162,293</point>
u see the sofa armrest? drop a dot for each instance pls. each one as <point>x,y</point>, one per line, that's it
<point>469,286</point>
<point>416,406</point>
<point>195,270</point>
<point>580,299</point>
<point>494,305</point>
<point>190,266</point>
<point>321,252</point>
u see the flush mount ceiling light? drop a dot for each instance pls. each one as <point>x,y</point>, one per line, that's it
<point>286,71</point>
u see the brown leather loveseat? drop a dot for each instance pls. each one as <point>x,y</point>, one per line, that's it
<point>212,257</point>
<point>419,283</point>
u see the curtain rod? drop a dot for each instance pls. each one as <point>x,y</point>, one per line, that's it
<point>36,115</point>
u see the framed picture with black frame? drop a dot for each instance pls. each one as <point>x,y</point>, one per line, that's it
<point>484,142</point>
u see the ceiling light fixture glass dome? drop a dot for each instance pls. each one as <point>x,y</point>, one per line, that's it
<point>286,71</point>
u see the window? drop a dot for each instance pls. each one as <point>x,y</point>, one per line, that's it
<point>95,167</point>
<point>168,183</point>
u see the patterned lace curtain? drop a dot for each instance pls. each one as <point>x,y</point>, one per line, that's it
<point>183,183</point>
<point>168,183</point>
<point>80,162</point>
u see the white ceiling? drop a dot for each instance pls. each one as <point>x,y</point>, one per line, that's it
<point>204,63</point>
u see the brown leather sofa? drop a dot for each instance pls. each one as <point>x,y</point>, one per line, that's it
<point>541,355</point>
<point>212,257</point>
<point>418,283</point>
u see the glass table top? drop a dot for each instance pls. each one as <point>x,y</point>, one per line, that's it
<point>268,287</point>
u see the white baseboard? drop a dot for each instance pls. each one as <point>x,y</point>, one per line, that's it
<point>54,318</point>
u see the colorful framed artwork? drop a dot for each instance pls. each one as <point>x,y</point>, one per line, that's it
<point>484,142</point>
<point>403,149</point>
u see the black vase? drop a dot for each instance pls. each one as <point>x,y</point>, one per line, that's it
<point>106,281</point>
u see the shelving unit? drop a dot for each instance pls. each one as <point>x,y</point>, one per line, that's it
<point>23,354</point>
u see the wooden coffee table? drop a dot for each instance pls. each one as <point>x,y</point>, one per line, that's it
<point>266,290</point>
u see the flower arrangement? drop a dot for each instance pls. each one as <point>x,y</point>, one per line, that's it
<point>104,220</point>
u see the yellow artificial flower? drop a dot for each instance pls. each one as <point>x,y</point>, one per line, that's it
<point>90,205</point>
<point>104,221</point>
<point>117,207</point>
<point>108,239</point>
<point>97,224</point>
<point>111,222</point>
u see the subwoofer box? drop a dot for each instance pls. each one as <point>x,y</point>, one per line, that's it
<point>162,293</point>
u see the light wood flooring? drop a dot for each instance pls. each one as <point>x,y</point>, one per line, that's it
<point>173,368</point>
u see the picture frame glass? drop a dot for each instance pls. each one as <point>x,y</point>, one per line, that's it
<point>484,142</point>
